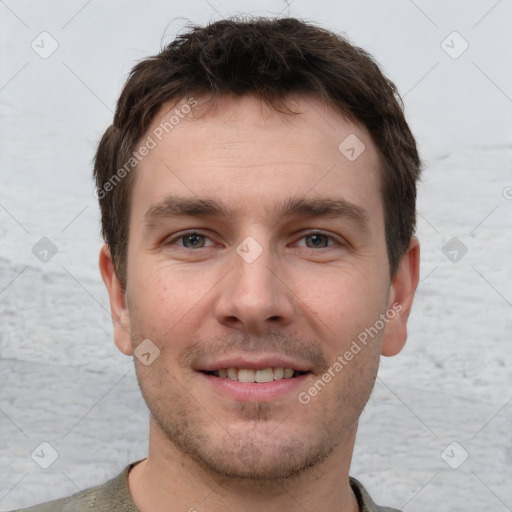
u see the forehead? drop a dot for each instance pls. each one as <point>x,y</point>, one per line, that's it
<point>247,153</point>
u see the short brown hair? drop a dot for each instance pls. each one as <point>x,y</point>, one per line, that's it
<point>271,58</point>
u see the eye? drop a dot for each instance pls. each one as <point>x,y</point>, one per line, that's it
<point>191,240</point>
<point>318,240</point>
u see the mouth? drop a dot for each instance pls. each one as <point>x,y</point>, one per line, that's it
<point>243,381</point>
<point>250,375</point>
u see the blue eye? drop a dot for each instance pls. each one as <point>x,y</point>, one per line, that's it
<point>193,241</point>
<point>317,240</point>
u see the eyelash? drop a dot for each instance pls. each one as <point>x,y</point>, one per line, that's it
<point>184,235</point>
<point>305,235</point>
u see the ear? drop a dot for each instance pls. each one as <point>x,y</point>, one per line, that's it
<point>401,295</point>
<point>120,313</point>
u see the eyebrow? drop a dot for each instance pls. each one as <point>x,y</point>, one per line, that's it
<point>324,207</point>
<point>176,206</point>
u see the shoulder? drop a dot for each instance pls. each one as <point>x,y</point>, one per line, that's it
<point>366,504</point>
<point>83,500</point>
<point>112,496</point>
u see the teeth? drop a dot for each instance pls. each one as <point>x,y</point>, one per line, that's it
<point>266,375</point>
<point>249,375</point>
<point>245,375</point>
<point>278,373</point>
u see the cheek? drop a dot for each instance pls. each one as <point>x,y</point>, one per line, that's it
<point>342,304</point>
<point>165,297</point>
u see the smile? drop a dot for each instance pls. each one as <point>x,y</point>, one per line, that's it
<point>250,375</point>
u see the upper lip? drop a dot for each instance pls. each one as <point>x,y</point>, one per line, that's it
<point>254,362</point>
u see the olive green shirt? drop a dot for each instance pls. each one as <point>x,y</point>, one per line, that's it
<point>114,496</point>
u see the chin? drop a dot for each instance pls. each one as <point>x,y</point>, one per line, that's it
<point>257,451</point>
<point>263,464</point>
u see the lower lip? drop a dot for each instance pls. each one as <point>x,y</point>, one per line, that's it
<point>255,391</point>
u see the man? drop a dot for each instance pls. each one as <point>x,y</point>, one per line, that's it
<point>257,191</point>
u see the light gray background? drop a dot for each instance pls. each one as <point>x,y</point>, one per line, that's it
<point>63,382</point>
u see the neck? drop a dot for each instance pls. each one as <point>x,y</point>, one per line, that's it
<point>169,481</point>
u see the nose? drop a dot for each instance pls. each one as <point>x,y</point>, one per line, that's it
<point>253,297</point>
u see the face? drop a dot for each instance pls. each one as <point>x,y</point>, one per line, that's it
<point>256,258</point>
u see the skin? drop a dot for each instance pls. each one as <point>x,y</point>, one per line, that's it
<point>304,296</point>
